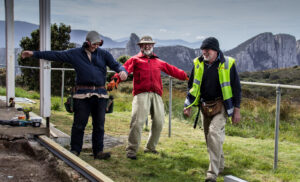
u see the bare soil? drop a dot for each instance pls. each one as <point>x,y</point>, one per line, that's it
<point>27,161</point>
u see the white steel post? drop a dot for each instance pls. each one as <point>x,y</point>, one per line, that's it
<point>10,50</point>
<point>45,66</point>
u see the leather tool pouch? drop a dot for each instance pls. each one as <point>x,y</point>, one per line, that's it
<point>69,104</point>
<point>211,108</point>
<point>110,105</point>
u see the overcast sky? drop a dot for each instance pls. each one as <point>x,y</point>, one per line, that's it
<point>230,21</point>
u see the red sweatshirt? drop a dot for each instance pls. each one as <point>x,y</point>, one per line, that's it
<point>146,73</point>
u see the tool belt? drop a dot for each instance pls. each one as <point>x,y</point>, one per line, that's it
<point>211,108</point>
<point>90,87</point>
<point>69,104</point>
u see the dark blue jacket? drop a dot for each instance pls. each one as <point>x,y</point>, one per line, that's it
<point>88,73</point>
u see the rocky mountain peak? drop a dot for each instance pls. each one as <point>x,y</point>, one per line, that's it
<point>131,47</point>
<point>265,51</point>
<point>298,51</point>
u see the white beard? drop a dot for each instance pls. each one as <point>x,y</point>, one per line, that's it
<point>207,58</point>
<point>148,52</point>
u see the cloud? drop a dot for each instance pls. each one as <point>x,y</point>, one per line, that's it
<point>200,37</point>
<point>163,30</point>
<point>189,20</point>
<point>187,34</point>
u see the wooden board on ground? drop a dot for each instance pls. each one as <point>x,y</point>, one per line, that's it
<point>76,160</point>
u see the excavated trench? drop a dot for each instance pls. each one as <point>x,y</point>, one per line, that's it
<point>23,160</point>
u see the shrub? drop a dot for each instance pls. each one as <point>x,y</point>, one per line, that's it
<point>286,110</point>
<point>55,107</point>
<point>274,77</point>
<point>2,77</point>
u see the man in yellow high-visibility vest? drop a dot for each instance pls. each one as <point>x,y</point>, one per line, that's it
<point>214,87</point>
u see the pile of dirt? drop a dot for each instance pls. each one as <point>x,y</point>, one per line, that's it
<point>26,160</point>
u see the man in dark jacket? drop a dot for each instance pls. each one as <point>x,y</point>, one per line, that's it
<point>90,97</point>
<point>147,92</point>
<point>214,86</point>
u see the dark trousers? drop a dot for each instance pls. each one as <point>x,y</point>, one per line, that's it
<point>82,110</point>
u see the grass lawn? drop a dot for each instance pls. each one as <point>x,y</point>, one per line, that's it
<point>183,157</point>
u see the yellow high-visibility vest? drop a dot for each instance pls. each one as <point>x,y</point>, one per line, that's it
<point>224,78</point>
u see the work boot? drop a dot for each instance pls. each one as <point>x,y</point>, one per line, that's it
<point>221,171</point>
<point>74,152</point>
<point>131,156</point>
<point>151,151</point>
<point>102,155</point>
<point>210,180</point>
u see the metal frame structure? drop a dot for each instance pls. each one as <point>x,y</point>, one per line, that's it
<point>45,44</point>
<point>277,114</point>
<point>10,50</point>
<point>45,66</point>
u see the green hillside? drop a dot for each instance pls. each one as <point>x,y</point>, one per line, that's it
<point>287,76</point>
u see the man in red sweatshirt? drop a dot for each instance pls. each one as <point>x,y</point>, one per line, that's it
<point>147,92</point>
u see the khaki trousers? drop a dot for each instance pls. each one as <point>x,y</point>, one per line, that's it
<point>142,104</point>
<point>214,130</point>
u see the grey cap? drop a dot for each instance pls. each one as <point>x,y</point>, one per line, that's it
<point>93,37</point>
<point>146,40</point>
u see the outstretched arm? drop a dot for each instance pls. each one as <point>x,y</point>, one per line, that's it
<point>128,66</point>
<point>187,111</point>
<point>26,54</point>
<point>60,56</point>
<point>174,71</point>
<point>116,66</point>
<point>117,78</point>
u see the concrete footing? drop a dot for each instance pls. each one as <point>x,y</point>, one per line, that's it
<point>230,178</point>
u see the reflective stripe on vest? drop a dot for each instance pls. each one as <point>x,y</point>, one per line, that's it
<point>198,73</point>
<point>224,78</point>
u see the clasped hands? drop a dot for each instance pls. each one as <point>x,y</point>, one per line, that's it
<point>116,80</point>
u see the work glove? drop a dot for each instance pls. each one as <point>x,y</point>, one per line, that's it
<point>113,84</point>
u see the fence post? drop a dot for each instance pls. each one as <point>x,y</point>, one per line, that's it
<point>278,95</point>
<point>62,87</point>
<point>170,104</point>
